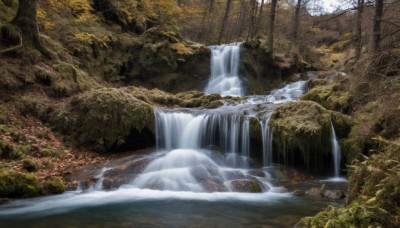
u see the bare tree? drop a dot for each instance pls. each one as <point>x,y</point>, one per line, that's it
<point>224,20</point>
<point>376,30</point>
<point>271,26</point>
<point>296,23</point>
<point>358,34</point>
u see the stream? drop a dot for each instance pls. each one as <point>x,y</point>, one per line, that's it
<point>202,173</point>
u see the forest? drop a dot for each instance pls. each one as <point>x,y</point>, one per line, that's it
<point>221,113</point>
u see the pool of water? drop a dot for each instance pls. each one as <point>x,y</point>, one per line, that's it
<point>130,207</point>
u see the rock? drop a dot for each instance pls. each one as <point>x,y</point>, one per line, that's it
<point>314,192</point>
<point>299,193</point>
<point>107,119</point>
<point>333,194</point>
<point>19,185</point>
<point>244,185</point>
<point>54,185</point>
<point>304,129</point>
<point>214,104</point>
<point>256,173</point>
<point>213,186</point>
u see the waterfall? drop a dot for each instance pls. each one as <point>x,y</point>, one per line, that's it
<point>336,152</point>
<point>267,136</point>
<point>193,130</point>
<point>224,77</point>
<point>246,141</point>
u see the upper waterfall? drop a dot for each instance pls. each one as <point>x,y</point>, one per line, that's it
<point>224,78</point>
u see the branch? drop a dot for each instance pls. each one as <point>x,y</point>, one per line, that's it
<point>20,45</point>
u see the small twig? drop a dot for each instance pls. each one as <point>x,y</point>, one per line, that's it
<point>20,45</point>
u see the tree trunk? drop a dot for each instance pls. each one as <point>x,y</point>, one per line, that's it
<point>252,21</point>
<point>376,30</point>
<point>260,15</point>
<point>26,21</point>
<point>271,26</point>
<point>358,35</point>
<point>296,23</point>
<point>224,20</point>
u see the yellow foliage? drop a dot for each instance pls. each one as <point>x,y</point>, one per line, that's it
<point>81,10</point>
<point>89,37</point>
<point>42,17</point>
<point>181,49</point>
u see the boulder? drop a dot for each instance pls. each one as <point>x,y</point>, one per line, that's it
<point>106,120</point>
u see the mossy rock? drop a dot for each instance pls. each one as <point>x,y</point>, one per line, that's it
<point>54,185</point>
<point>19,185</point>
<point>29,165</point>
<point>154,96</point>
<point>374,193</point>
<point>203,101</point>
<point>305,127</point>
<point>8,150</point>
<point>105,119</point>
<point>328,96</point>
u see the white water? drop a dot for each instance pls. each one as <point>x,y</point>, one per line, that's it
<point>267,136</point>
<point>224,77</point>
<point>336,152</point>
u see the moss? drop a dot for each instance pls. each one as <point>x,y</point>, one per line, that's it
<point>329,96</point>
<point>71,80</point>
<point>9,150</point>
<point>204,100</point>
<point>29,165</point>
<point>154,96</point>
<point>104,119</point>
<point>19,185</point>
<point>374,193</point>
<point>305,127</point>
<point>54,185</point>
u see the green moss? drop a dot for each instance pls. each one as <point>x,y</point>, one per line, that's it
<point>374,193</point>
<point>329,96</point>
<point>19,185</point>
<point>9,150</point>
<point>29,165</point>
<point>305,126</point>
<point>54,185</point>
<point>103,118</point>
<point>71,80</point>
<point>204,100</point>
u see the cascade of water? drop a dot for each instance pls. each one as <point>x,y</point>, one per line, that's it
<point>246,141</point>
<point>224,77</point>
<point>336,152</point>
<point>267,137</point>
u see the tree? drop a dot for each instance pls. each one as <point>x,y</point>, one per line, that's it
<point>295,28</point>
<point>26,21</point>
<point>224,20</point>
<point>358,34</point>
<point>376,30</point>
<point>271,26</point>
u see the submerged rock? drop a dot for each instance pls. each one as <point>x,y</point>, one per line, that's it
<point>244,185</point>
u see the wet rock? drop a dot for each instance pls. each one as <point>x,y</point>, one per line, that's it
<point>333,194</point>
<point>257,173</point>
<point>213,186</point>
<point>314,192</point>
<point>299,193</point>
<point>234,174</point>
<point>214,104</point>
<point>243,185</point>
<point>114,183</point>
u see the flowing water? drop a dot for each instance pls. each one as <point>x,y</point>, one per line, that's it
<point>199,175</point>
<point>224,77</point>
